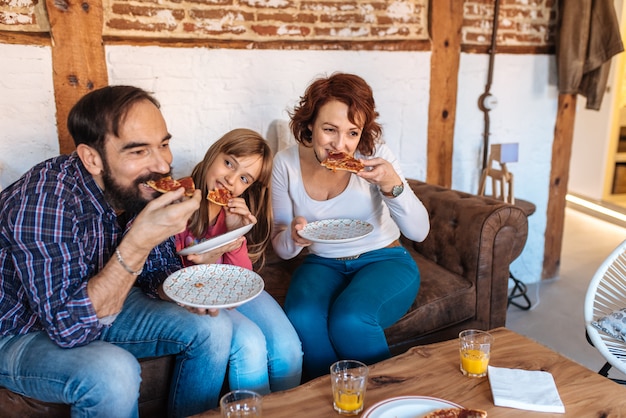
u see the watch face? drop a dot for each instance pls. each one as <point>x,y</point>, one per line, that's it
<point>397,190</point>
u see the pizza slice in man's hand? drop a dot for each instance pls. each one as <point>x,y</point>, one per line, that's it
<point>167,184</point>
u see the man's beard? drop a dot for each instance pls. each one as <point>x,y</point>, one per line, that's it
<point>127,199</point>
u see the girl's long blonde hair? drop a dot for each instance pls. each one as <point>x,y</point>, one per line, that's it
<point>240,143</point>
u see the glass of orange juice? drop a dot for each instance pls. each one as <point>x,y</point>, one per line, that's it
<point>475,349</point>
<point>348,379</point>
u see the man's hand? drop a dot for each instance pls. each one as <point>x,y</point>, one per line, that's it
<point>163,217</point>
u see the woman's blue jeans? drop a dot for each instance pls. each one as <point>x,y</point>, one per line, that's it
<point>101,379</point>
<point>266,353</point>
<point>340,308</point>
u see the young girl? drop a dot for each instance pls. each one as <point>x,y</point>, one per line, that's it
<point>266,353</point>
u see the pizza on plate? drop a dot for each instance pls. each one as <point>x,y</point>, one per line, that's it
<point>337,160</point>
<point>167,184</point>
<point>219,196</point>
<point>456,413</point>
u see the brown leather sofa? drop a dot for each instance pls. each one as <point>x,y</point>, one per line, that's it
<point>464,266</point>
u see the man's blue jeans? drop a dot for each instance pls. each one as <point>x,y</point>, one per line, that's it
<point>101,379</point>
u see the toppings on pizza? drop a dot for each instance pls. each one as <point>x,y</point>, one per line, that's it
<point>167,184</point>
<point>219,196</point>
<point>337,160</point>
<point>456,413</point>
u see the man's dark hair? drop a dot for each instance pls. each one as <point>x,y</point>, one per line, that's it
<point>101,112</point>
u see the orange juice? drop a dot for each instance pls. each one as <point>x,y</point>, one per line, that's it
<point>474,362</point>
<point>348,401</point>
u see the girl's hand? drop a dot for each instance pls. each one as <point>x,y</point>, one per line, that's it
<point>238,214</point>
<point>211,257</point>
<point>298,224</point>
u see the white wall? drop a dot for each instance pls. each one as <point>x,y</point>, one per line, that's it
<point>206,92</point>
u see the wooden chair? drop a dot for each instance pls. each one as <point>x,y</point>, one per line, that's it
<point>501,177</point>
<point>606,294</point>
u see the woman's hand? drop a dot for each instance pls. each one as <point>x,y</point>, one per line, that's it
<point>238,214</point>
<point>380,172</point>
<point>298,224</point>
<point>211,257</point>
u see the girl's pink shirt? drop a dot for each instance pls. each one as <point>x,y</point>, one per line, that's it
<point>238,257</point>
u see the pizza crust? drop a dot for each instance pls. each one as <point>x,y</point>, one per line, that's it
<point>457,413</point>
<point>167,184</point>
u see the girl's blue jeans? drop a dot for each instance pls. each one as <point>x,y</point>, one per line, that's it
<point>266,353</point>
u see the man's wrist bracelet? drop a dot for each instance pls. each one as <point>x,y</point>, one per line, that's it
<point>123,264</point>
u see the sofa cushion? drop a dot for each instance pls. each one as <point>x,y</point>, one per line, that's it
<point>444,299</point>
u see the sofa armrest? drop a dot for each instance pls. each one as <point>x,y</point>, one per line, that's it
<point>475,237</point>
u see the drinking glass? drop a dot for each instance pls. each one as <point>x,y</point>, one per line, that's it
<point>475,350</point>
<point>241,403</point>
<point>348,379</point>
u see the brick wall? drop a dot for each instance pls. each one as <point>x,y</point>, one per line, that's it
<point>521,22</point>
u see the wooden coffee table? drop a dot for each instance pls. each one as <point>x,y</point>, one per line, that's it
<point>433,370</point>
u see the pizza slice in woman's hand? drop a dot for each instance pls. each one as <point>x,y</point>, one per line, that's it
<point>167,184</point>
<point>338,160</point>
<point>219,196</point>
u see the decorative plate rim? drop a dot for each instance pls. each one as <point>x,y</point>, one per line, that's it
<point>251,289</point>
<point>217,241</point>
<point>437,403</point>
<point>308,232</point>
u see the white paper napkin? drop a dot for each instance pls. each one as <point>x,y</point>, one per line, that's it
<point>524,389</point>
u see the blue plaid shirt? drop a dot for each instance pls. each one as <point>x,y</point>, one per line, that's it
<point>57,231</point>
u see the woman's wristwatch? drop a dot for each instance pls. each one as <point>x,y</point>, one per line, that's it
<point>395,191</point>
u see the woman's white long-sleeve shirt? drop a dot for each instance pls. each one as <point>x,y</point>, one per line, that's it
<point>360,200</point>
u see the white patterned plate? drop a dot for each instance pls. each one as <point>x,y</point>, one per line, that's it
<point>336,230</point>
<point>217,241</point>
<point>213,286</point>
<point>407,407</point>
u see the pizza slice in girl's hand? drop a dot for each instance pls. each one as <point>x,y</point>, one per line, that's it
<point>219,196</point>
<point>337,160</point>
<point>167,184</point>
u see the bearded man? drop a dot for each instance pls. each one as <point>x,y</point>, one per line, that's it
<point>84,244</point>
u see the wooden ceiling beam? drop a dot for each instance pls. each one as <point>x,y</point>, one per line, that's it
<point>446,22</point>
<point>78,60</point>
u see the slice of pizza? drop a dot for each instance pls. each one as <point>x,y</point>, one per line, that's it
<point>337,160</point>
<point>167,184</point>
<point>456,413</point>
<point>188,184</point>
<point>219,196</point>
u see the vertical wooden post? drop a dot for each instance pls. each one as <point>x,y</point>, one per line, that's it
<point>559,177</point>
<point>78,60</point>
<point>446,22</point>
